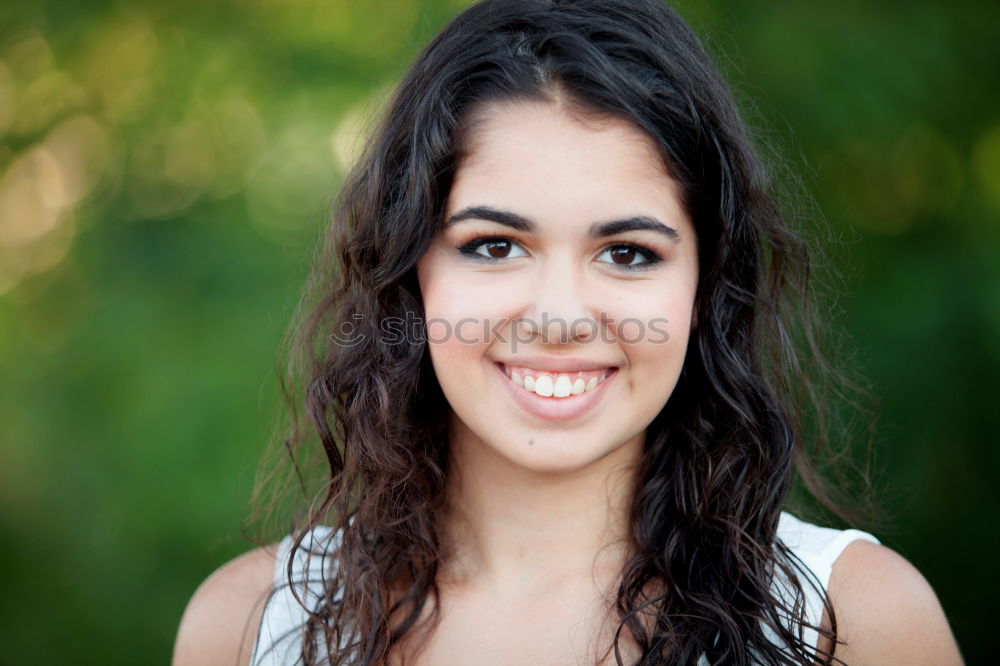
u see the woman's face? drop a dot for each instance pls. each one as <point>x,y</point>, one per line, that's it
<point>565,265</point>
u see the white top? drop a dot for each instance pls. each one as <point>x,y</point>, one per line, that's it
<point>279,641</point>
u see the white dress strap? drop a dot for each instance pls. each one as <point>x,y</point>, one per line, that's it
<point>279,641</point>
<point>817,548</point>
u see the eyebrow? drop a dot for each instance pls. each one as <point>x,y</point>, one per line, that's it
<point>597,229</point>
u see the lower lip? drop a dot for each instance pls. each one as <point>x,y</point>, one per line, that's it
<point>555,409</point>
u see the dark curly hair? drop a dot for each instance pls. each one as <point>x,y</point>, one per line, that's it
<point>720,457</point>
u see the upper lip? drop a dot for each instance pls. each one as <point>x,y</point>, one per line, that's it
<point>552,364</point>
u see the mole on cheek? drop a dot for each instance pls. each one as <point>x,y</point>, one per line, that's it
<point>531,442</point>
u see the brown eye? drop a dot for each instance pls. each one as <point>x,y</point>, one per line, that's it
<point>623,256</point>
<point>498,249</point>
<point>629,257</point>
<point>490,248</point>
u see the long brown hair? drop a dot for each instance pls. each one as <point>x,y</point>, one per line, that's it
<point>720,457</point>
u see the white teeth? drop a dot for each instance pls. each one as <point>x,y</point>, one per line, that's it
<point>563,386</point>
<point>544,386</point>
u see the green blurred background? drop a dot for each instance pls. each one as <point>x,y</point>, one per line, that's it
<point>165,168</point>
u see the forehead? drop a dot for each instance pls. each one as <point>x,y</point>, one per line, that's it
<point>542,153</point>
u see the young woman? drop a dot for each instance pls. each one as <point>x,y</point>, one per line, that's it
<point>556,389</point>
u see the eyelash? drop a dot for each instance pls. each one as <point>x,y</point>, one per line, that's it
<point>652,258</point>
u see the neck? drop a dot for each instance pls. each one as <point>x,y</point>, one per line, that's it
<point>521,530</point>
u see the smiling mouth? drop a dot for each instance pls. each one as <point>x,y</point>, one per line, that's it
<point>556,385</point>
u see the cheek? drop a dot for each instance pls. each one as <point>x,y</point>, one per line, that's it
<point>453,320</point>
<point>659,319</point>
<point>463,311</point>
<point>449,293</point>
<point>654,332</point>
<point>456,351</point>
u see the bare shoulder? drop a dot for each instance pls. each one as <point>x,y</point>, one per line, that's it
<point>886,611</point>
<point>220,624</point>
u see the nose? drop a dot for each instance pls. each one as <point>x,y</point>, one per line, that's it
<point>559,312</point>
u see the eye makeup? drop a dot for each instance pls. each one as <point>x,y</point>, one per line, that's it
<point>500,247</point>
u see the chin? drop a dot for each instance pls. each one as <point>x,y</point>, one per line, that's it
<point>554,452</point>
